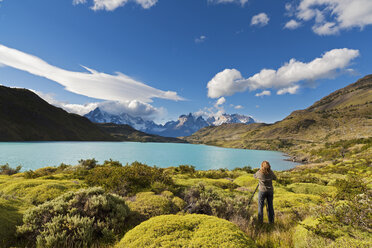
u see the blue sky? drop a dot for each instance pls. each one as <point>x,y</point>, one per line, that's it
<point>169,51</point>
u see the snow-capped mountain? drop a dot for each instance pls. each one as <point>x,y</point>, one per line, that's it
<point>99,116</point>
<point>184,126</point>
<point>227,118</point>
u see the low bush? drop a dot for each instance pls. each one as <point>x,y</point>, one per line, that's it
<point>206,200</point>
<point>112,163</point>
<point>185,231</point>
<point>46,171</point>
<point>88,164</point>
<point>37,191</point>
<point>214,174</point>
<point>285,201</point>
<point>307,235</point>
<point>246,181</point>
<point>247,169</point>
<point>129,179</point>
<point>350,187</point>
<point>185,169</point>
<point>311,188</point>
<point>148,204</point>
<point>86,218</point>
<point>7,170</point>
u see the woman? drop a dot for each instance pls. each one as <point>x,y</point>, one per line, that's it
<point>265,177</point>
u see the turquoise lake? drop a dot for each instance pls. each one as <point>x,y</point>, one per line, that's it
<point>34,155</point>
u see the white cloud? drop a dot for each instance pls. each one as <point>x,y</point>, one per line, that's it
<point>285,78</point>
<point>341,14</point>
<point>327,28</point>
<point>94,84</point>
<point>134,107</point>
<point>200,39</point>
<point>264,93</point>
<point>220,101</point>
<point>292,24</point>
<point>76,2</point>
<point>225,83</point>
<point>111,5</point>
<point>290,90</point>
<point>241,2</point>
<point>238,107</point>
<point>288,7</point>
<point>260,20</point>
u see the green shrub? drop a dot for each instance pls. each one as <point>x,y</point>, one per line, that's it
<point>189,231</point>
<point>285,201</point>
<point>304,238</point>
<point>306,235</point>
<point>247,169</point>
<point>311,188</point>
<point>129,179</point>
<point>185,169</point>
<point>246,181</point>
<point>178,203</point>
<point>84,218</point>
<point>214,174</point>
<point>7,170</point>
<point>349,188</point>
<point>88,164</point>
<point>206,200</point>
<point>112,163</point>
<point>46,171</point>
<point>147,205</point>
<point>36,191</point>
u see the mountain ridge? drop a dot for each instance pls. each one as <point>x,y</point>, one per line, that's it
<point>27,117</point>
<point>185,125</point>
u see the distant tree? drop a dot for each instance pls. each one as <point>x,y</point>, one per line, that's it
<point>7,170</point>
<point>88,163</point>
<point>112,163</point>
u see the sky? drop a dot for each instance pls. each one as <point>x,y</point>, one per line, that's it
<point>158,59</point>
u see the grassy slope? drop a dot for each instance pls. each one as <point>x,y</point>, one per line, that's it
<point>127,133</point>
<point>344,114</point>
<point>18,194</point>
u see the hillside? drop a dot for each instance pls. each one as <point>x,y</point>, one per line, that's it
<point>26,117</point>
<point>343,115</point>
<point>127,133</point>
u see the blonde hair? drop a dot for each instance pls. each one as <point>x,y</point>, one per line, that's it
<point>265,167</point>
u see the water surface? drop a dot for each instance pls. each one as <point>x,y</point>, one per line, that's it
<point>33,155</point>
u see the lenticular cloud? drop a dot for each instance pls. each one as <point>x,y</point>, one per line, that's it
<point>93,84</point>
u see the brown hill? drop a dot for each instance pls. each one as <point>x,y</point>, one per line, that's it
<point>344,114</point>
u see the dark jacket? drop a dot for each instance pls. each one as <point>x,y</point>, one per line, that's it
<point>265,181</point>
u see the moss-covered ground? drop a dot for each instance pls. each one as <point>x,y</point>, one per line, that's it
<point>325,204</point>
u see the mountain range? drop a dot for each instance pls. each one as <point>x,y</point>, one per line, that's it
<point>185,125</point>
<point>343,115</point>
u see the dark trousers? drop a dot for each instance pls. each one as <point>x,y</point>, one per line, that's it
<point>269,196</point>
